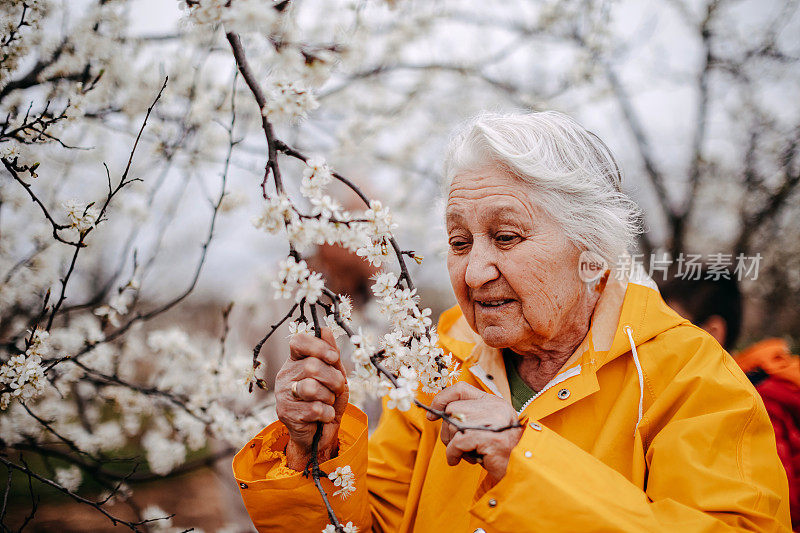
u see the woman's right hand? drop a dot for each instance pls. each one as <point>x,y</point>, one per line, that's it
<point>311,387</point>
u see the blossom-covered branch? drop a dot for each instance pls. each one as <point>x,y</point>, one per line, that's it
<point>79,381</point>
<point>404,358</point>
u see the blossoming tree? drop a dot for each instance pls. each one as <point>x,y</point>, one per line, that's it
<point>104,129</point>
<point>79,379</point>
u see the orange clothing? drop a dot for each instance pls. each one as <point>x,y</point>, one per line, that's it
<point>772,356</point>
<point>650,426</point>
<point>779,387</point>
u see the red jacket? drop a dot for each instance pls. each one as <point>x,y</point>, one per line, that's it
<point>776,375</point>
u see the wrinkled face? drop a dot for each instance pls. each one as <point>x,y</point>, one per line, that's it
<point>513,271</point>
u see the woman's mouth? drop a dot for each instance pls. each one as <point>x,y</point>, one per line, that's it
<point>489,304</point>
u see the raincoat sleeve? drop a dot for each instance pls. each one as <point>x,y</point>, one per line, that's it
<point>710,454</point>
<point>281,499</point>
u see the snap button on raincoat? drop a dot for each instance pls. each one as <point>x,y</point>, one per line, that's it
<point>660,431</point>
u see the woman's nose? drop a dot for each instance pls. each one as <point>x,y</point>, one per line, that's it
<point>481,267</point>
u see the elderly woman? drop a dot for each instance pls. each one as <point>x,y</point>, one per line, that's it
<point>632,419</point>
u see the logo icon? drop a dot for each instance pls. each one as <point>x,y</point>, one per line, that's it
<point>591,266</point>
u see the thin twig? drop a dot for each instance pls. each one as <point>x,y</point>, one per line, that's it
<point>5,497</point>
<point>33,475</point>
<point>15,173</point>
<point>257,349</point>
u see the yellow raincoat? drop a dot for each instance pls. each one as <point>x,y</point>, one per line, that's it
<point>650,426</point>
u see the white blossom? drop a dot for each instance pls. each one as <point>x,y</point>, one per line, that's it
<point>249,16</point>
<point>22,376</point>
<point>379,219</point>
<point>204,11</point>
<point>302,235</point>
<point>163,454</point>
<point>348,528</point>
<point>283,290</point>
<point>310,288</point>
<point>108,436</point>
<point>325,206</point>
<point>158,519</point>
<point>385,284</point>
<point>117,306</point>
<point>289,100</point>
<point>344,478</point>
<point>232,201</point>
<point>375,252</point>
<point>363,348</point>
<point>70,478</point>
<point>296,328</point>
<point>293,271</point>
<point>81,217</point>
<point>335,328</point>
<point>316,176</point>
<point>345,307</point>
<point>402,396</point>
<point>250,378</point>
<point>277,209</point>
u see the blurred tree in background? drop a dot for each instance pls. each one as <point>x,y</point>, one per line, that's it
<point>132,162</point>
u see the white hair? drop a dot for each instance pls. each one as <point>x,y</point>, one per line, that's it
<point>570,172</point>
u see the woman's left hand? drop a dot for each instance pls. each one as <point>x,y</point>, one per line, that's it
<point>474,407</point>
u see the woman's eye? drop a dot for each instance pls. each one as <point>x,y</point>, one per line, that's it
<point>506,238</point>
<point>458,244</point>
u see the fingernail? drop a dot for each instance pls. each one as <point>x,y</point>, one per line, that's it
<point>332,356</point>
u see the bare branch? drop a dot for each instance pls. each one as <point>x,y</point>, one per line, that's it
<point>636,128</point>
<point>698,140</point>
<point>133,526</point>
<point>258,94</point>
<point>777,200</point>
<point>5,497</point>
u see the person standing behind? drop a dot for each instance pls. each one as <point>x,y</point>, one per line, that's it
<point>716,307</point>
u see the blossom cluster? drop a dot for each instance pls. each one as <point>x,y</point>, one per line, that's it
<point>290,93</point>
<point>163,453</point>
<point>296,279</point>
<point>366,233</point>
<point>179,397</point>
<point>289,100</point>
<point>100,383</point>
<point>348,528</point>
<point>70,478</point>
<point>81,217</point>
<point>13,46</point>
<point>344,478</point>
<point>413,342</point>
<point>331,321</point>
<point>410,350</point>
<point>248,15</point>
<point>22,376</point>
<point>401,396</point>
